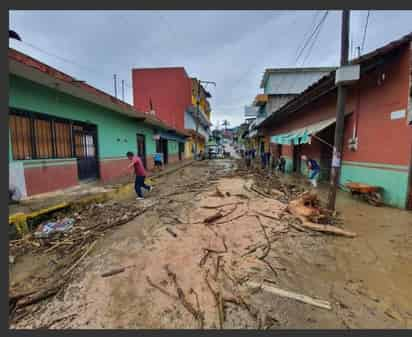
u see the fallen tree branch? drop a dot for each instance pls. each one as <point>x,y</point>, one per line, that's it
<point>188,306</point>
<point>289,294</point>
<point>234,218</point>
<point>171,232</point>
<point>325,228</point>
<point>212,218</point>
<point>88,250</point>
<point>222,205</point>
<point>268,247</point>
<point>163,291</point>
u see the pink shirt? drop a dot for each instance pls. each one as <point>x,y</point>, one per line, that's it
<point>138,166</point>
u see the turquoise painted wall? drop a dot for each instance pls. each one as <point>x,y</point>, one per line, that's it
<point>116,133</point>
<point>288,165</point>
<point>394,183</point>
<point>172,147</point>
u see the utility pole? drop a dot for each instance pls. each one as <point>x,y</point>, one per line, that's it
<point>123,90</point>
<point>197,114</point>
<point>340,114</point>
<point>115,85</point>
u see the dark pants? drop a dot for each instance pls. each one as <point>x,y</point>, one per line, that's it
<point>138,184</point>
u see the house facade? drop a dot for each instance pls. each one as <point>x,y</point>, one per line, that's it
<point>172,95</point>
<point>377,137</point>
<point>63,131</point>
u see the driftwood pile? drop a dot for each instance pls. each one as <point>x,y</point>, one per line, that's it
<point>68,250</point>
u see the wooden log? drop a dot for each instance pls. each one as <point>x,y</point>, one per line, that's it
<point>213,218</point>
<point>325,228</point>
<point>113,272</point>
<point>171,232</point>
<point>289,294</point>
<point>89,249</point>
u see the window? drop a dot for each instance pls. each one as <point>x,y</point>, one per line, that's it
<point>39,136</point>
<point>20,134</point>
<point>62,140</point>
<point>43,138</point>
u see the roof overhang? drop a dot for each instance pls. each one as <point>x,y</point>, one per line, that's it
<point>72,88</point>
<point>326,84</point>
<point>302,135</point>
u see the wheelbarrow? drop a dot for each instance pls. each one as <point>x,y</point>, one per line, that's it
<point>370,194</point>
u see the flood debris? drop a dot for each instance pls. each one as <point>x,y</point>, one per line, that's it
<point>205,270</point>
<point>289,294</point>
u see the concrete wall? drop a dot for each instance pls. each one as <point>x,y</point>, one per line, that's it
<point>190,123</point>
<point>169,90</point>
<point>384,145</point>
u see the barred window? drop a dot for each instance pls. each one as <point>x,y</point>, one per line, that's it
<point>43,138</point>
<point>20,134</point>
<point>38,136</point>
<point>63,140</point>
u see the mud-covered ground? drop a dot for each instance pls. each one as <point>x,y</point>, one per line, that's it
<point>366,279</point>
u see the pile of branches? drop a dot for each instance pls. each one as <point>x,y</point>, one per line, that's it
<point>68,248</point>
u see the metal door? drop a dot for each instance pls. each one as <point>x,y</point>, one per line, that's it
<point>85,149</point>
<point>141,148</point>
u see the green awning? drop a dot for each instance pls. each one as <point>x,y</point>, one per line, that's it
<point>302,135</point>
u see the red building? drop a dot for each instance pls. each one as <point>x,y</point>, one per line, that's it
<point>378,136</point>
<point>167,91</point>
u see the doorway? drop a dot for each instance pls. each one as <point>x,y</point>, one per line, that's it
<point>297,149</point>
<point>161,147</point>
<point>85,149</point>
<point>181,150</point>
<point>141,148</point>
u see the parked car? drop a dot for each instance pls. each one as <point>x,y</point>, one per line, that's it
<point>212,152</point>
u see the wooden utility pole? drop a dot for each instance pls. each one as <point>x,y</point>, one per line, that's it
<point>340,114</point>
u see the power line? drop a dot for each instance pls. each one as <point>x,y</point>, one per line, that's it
<point>315,37</point>
<point>312,24</point>
<point>364,31</point>
<point>69,61</point>
<point>311,36</point>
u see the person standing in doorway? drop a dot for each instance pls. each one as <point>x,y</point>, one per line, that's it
<point>158,161</point>
<point>140,172</point>
<point>314,170</point>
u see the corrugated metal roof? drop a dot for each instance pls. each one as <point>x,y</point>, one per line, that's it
<point>291,83</point>
<point>307,72</point>
<point>328,82</point>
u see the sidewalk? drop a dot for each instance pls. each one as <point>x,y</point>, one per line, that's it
<point>41,203</point>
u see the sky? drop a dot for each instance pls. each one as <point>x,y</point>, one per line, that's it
<point>231,48</point>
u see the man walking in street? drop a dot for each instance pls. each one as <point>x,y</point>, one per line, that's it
<point>314,170</point>
<point>140,172</point>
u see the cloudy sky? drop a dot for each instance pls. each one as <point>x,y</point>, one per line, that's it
<point>231,48</point>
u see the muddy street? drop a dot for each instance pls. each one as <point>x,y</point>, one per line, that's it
<point>215,246</point>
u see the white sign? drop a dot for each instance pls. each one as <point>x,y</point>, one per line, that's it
<point>347,74</point>
<point>336,158</point>
<point>398,114</point>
